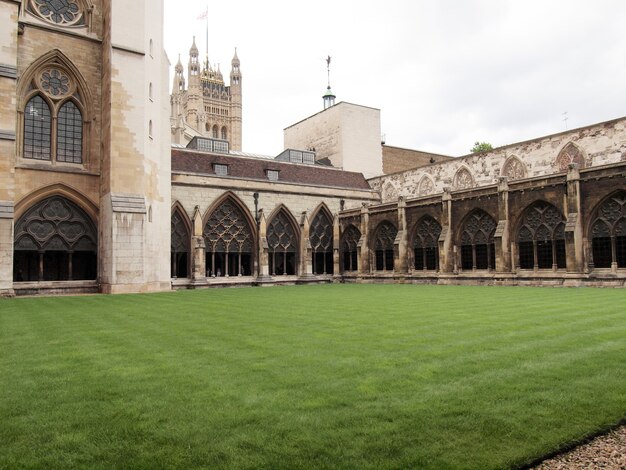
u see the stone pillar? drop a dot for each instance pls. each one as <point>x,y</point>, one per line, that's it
<point>446,252</point>
<point>336,246</point>
<point>264,266</point>
<point>574,225</point>
<point>400,244</point>
<point>502,236</point>
<point>6,248</point>
<point>198,248</point>
<point>306,253</point>
<point>9,32</point>
<point>363,251</point>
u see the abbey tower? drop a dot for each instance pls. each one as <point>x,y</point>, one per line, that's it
<point>203,105</point>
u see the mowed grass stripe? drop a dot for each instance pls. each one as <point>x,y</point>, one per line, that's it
<point>317,376</point>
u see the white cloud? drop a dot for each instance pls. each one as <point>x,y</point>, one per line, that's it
<point>444,73</point>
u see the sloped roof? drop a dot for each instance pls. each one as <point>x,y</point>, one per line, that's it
<point>192,161</point>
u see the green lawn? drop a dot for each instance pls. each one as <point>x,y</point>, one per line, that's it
<point>336,376</point>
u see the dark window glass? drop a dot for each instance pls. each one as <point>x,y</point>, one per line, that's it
<point>482,258</point>
<point>70,134</point>
<point>602,255</point>
<point>561,259</point>
<point>620,251</point>
<point>526,255</point>
<point>37,125</point>
<point>467,261</point>
<point>544,254</point>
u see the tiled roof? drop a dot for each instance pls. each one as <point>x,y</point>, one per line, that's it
<point>191,161</point>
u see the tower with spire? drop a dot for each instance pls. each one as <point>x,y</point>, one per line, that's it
<point>207,107</point>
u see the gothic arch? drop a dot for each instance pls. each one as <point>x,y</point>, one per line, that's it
<point>349,243</point>
<point>180,242</point>
<point>606,232</point>
<point>513,168</point>
<point>389,193</point>
<point>475,237</point>
<point>283,240</point>
<point>425,242</point>
<point>321,240</point>
<point>229,237</point>
<point>570,153</point>
<point>55,240</point>
<point>426,186</point>
<point>52,84</point>
<point>382,245</point>
<point>58,189</point>
<point>463,178</point>
<point>540,237</point>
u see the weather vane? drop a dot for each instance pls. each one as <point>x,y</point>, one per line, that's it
<point>328,69</point>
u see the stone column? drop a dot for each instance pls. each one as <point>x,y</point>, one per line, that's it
<point>306,253</point>
<point>6,248</point>
<point>264,267</point>
<point>198,247</point>
<point>502,235</point>
<point>363,251</point>
<point>401,242</point>
<point>336,245</point>
<point>446,252</point>
<point>574,226</point>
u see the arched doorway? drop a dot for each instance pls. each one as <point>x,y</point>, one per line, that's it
<point>180,245</point>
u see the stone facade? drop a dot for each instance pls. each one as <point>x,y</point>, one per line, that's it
<point>396,159</point>
<point>591,146</point>
<point>346,135</point>
<point>83,118</point>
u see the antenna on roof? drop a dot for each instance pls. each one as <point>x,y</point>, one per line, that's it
<point>329,98</point>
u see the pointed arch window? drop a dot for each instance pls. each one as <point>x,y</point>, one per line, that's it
<point>37,129</point>
<point>229,242</point>
<point>180,246</point>
<point>608,233</point>
<point>541,238</point>
<point>349,243</point>
<point>55,240</point>
<point>282,245</point>
<point>426,245</point>
<point>570,154</point>
<point>477,245</point>
<point>53,118</point>
<point>224,133</point>
<point>215,131</point>
<point>61,13</point>
<point>383,242</point>
<point>321,239</point>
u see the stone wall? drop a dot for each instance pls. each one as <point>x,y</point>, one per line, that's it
<point>596,145</point>
<point>396,159</point>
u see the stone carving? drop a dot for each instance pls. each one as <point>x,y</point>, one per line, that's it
<point>542,222</point>
<point>479,229</point>
<point>321,233</point>
<point>60,12</point>
<point>350,238</point>
<point>463,179</point>
<point>514,169</point>
<point>428,231</point>
<point>569,154</point>
<point>426,187</point>
<point>180,235</point>
<point>227,230</point>
<point>390,193</point>
<point>611,219</point>
<point>55,224</point>
<point>280,234</point>
<point>385,236</point>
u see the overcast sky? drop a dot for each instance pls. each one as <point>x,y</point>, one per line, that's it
<point>444,73</point>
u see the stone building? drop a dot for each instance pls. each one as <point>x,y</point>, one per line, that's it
<point>206,106</point>
<point>84,147</point>
<point>109,184</point>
